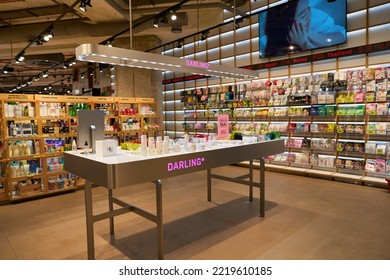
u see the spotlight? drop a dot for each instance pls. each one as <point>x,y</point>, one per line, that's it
<point>37,78</point>
<point>179,43</point>
<point>84,4</point>
<point>45,75</point>
<point>47,37</point>
<point>48,34</point>
<point>20,57</point>
<point>156,22</point>
<point>109,44</point>
<point>7,69</point>
<point>173,15</point>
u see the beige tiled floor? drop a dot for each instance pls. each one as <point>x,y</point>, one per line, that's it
<point>306,218</point>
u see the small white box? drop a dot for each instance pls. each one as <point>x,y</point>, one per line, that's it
<point>105,148</point>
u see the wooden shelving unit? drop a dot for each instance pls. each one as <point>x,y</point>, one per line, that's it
<point>37,129</point>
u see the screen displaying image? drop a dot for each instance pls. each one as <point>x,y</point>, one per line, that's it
<point>302,25</point>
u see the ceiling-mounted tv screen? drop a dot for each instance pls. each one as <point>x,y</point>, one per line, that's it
<point>301,25</point>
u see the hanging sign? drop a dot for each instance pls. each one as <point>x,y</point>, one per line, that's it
<point>223,126</point>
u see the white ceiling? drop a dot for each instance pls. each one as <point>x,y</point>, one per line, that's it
<point>22,21</point>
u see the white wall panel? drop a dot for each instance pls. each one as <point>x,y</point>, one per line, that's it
<point>379,58</point>
<point>243,60</point>
<point>213,42</point>
<point>227,51</point>
<point>169,105</point>
<point>355,5</point>
<point>379,33</point>
<point>243,33</point>
<point>356,38</point>
<point>279,71</point>
<point>356,20</point>
<point>324,65</point>
<point>300,68</point>
<point>243,47</point>
<point>379,15</point>
<point>228,61</point>
<point>263,73</point>
<point>213,54</point>
<point>169,126</point>
<point>227,38</point>
<point>352,61</point>
<point>201,56</point>
<point>169,116</point>
<point>377,2</point>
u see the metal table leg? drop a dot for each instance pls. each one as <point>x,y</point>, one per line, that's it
<point>251,180</point>
<point>208,184</point>
<point>262,187</point>
<point>89,220</point>
<point>159,221</point>
<point>110,209</point>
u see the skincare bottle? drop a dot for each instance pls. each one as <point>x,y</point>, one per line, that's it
<point>166,145</point>
<point>159,147</point>
<point>152,147</point>
<point>144,145</point>
<point>74,146</point>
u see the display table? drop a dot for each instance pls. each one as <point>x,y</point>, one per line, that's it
<point>126,169</point>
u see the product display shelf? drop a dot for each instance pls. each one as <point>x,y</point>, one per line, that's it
<point>137,116</point>
<point>37,129</point>
<point>352,101</point>
<point>109,106</point>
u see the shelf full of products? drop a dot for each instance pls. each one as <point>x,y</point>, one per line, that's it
<point>36,130</point>
<point>333,123</point>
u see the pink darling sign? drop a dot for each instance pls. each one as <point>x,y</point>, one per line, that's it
<point>184,164</point>
<point>198,64</point>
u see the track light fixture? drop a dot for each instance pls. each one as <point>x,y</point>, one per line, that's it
<point>7,69</point>
<point>48,36</point>
<point>179,43</point>
<point>238,21</point>
<point>45,75</point>
<point>156,22</point>
<point>20,57</point>
<point>84,4</point>
<point>204,35</point>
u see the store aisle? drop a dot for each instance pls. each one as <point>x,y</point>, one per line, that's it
<point>306,218</point>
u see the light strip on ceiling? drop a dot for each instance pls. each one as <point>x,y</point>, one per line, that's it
<point>131,58</point>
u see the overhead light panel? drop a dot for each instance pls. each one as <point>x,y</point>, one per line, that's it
<point>132,58</point>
